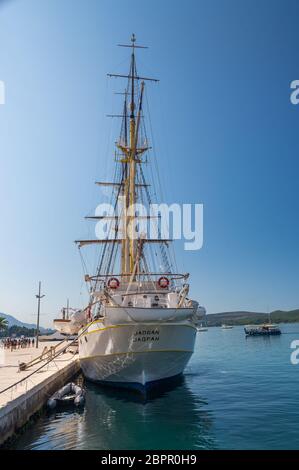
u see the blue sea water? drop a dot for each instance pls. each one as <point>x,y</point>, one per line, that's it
<point>237,393</point>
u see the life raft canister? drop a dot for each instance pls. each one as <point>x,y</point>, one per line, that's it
<point>113,283</point>
<point>163,282</point>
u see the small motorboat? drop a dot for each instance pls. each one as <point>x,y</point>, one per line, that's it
<point>226,327</point>
<point>67,395</point>
<point>268,329</point>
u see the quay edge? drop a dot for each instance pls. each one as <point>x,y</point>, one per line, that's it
<point>16,413</point>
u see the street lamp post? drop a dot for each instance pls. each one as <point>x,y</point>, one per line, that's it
<point>39,297</point>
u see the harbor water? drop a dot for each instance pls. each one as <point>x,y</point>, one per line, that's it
<point>237,393</point>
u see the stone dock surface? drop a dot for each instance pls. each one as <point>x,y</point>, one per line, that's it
<point>21,401</point>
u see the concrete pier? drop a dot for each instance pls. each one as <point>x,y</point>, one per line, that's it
<point>19,403</point>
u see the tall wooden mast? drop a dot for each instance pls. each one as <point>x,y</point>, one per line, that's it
<point>132,163</point>
<point>131,154</point>
<point>131,150</point>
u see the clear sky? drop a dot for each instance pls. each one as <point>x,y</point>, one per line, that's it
<point>225,133</point>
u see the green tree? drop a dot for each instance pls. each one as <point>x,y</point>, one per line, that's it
<point>3,324</point>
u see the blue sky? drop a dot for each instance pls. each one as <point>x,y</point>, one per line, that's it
<point>225,133</point>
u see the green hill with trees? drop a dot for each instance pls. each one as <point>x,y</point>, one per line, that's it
<point>247,318</point>
<point>17,331</point>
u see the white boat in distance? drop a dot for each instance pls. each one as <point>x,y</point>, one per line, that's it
<point>203,326</point>
<point>202,329</point>
<point>226,327</point>
<point>139,327</point>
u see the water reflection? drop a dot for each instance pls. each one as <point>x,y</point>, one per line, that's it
<point>168,418</point>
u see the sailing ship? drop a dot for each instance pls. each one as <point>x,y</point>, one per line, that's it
<point>139,327</point>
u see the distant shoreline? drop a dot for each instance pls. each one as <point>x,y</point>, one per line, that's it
<point>241,318</point>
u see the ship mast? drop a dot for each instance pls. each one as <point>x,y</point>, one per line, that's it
<point>131,150</point>
<point>131,155</point>
<point>132,163</point>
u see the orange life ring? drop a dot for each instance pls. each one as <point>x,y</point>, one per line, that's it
<point>163,282</point>
<point>113,283</point>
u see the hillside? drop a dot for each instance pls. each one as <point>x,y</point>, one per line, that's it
<point>14,321</point>
<point>245,317</point>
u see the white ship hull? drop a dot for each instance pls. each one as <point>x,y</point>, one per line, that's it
<point>137,354</point>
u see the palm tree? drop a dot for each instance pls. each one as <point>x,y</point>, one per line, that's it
<point>3,323</point>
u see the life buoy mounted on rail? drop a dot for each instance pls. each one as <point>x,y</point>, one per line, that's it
<point>163,282</point>
<point>113,283</point>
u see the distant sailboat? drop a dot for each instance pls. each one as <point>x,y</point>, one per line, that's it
<point>202,328</point>
<point>204,324</point>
